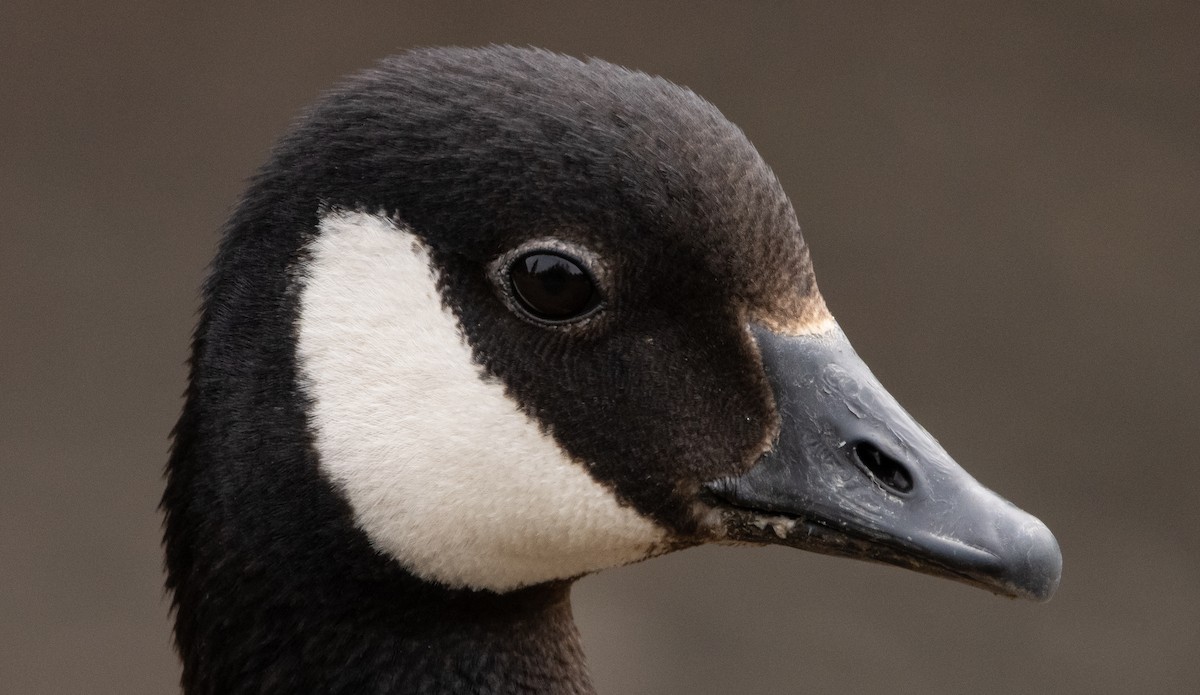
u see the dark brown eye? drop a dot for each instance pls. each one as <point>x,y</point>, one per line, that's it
<point>552,287</point>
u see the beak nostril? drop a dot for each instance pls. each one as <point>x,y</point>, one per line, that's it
<point>888,471</point>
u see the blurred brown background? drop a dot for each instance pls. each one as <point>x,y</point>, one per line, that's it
<point>1004,207</point>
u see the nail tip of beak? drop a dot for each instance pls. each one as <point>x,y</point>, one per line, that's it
<point>1041,571</point>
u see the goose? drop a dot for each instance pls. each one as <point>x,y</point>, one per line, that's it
<point>490,320</point>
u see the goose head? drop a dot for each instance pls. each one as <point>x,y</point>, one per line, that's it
<point>496,319</point>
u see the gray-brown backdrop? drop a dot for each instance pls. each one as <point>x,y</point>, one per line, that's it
<point>1003,206</point>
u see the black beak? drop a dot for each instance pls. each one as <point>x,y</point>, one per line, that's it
<point>853,474</point>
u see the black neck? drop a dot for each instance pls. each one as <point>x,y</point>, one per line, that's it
<point>415,639</point>
<point>466,643</point>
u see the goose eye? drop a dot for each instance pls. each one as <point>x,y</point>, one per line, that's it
<point>553,288</point>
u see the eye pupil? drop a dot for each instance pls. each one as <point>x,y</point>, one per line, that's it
<point>552,287</point>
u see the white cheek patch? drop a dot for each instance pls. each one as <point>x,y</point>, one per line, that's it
<point>441,468</point>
